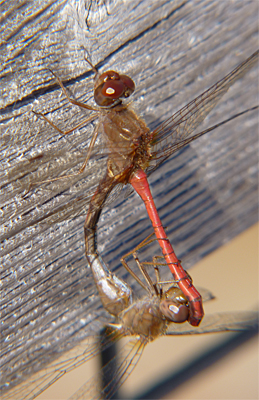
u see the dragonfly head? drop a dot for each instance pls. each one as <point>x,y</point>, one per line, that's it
<point>174,305</point>
<point>110,87</point>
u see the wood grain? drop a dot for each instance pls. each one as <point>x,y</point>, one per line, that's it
<point>206,194</point>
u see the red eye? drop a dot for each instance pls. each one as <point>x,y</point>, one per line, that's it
<point>113,89</point>
<point>128,82</point>
<point>106,76</point>
<point>107,93</point>
<point>110,87</point>
<point>110,75</point>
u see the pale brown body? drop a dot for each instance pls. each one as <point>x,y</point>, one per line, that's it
<point>127,138</point>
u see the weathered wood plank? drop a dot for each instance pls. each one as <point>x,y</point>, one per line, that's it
<point>173,50</point>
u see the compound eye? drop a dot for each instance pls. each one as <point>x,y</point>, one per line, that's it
<point>109,91</point>
<point>113,89</point>
<point>110,86</point>
<point>174,312</point>
<point>175,294</point>
<point>110,75</point>
<point>129,85</point>
<point>106,76</point>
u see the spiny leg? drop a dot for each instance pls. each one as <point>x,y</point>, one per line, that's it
<point>91,145</point>
<point>149,286</point>
<point>75,102</point>
<point>89,119</point>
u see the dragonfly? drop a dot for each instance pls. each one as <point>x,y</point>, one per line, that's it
<point>78,203</point>
<point>134,152</point>
<point>162,311</point>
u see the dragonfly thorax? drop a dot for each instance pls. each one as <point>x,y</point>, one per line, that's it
<point>144,318</point>
<point>127,140</point>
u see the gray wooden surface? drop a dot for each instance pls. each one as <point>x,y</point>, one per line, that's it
<point>206,194</point>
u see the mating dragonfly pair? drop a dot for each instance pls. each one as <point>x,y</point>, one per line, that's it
<point>134,152</point>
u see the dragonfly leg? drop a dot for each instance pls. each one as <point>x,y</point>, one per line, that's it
<point>150,286</point>
<point>89,119</point>
<point>91,145</point>
<point>72,101</point>
<point>135,276</point>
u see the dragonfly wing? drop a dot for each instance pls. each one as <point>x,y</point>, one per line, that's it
<point>78,206</point>
<point>205,294</point>
<point>55,208</point>
<point>221,322</point>
<point>174,133</point>
<point>44,378</point>
<point>128,360</point>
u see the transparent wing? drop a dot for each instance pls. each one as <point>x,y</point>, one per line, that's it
<point>221,322</point>
<point>41,380</point>
<point>49,203</point>
<point>175,132</point>
<point>205,294</point>
<point>129,357</point>
<point>63,199</point>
